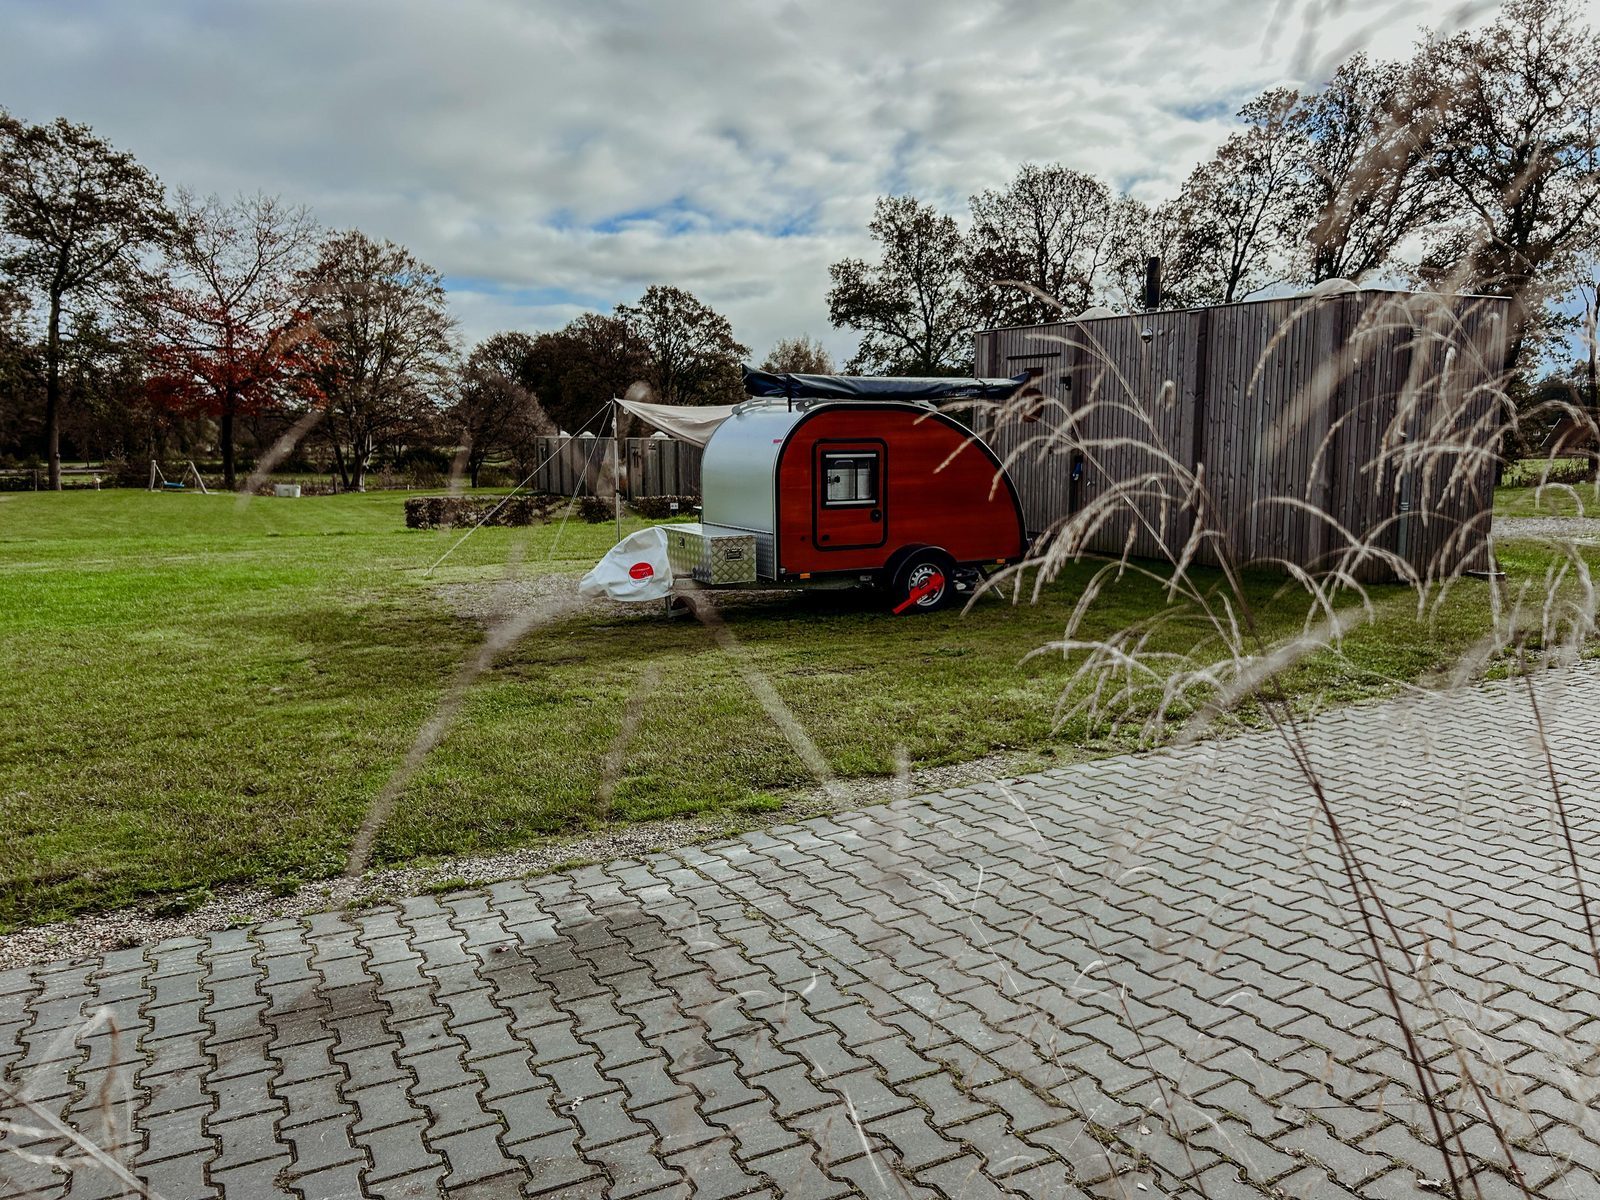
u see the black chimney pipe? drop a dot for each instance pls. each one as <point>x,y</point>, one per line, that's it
<point>1152,284</point>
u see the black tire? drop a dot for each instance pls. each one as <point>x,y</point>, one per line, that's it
<point>917,571</point>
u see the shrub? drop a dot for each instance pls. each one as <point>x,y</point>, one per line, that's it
<point>595,509</point>
<point>447,512</point>
<point>659,508</point>
<point>427,457</point>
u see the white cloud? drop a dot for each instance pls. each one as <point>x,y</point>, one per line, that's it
<point>582,151</point>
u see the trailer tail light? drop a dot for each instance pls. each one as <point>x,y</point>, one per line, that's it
<point>805,574</point>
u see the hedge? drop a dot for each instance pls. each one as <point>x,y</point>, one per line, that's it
<point>445,512</point>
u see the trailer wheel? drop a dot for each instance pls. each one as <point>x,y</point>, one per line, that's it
<point>923,583</point>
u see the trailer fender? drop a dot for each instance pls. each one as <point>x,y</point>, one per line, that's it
<point>896,560</point>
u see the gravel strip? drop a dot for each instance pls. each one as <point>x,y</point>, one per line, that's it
<point>1582,530</point>
<point>97,933</point>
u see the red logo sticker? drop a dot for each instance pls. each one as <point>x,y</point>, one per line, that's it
<point>641,570</point>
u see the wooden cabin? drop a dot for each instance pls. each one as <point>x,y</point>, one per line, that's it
<point>1379,409</point>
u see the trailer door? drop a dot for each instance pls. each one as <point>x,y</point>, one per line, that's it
<point>849,511</point>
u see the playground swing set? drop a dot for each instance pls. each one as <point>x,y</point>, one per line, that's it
<point>160,483</point>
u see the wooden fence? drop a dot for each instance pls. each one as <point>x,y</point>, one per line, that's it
<point>651,466</point>
<point>1377,409</point>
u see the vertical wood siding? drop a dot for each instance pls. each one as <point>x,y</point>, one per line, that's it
<point>1371,413</point>
<point>650,466</point>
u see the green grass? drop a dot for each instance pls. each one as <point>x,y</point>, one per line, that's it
<point>196,695</point>
<point>1554,500</point>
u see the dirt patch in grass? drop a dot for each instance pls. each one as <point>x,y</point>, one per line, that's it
<point>488,600</point>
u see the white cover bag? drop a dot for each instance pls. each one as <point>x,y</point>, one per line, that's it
<point>636,568</point>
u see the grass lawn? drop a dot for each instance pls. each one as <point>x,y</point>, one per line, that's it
<point>1554,500</point>
<point>196,694</point>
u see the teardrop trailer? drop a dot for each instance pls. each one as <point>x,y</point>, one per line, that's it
<point>842,481</point>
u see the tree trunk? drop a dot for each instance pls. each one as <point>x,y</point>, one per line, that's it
<point>360,455</point>
<point>1592,318</point>
<point>226,437</point>
<point>338,465</point>
<point>1594,352</point>
<point>52,394</point>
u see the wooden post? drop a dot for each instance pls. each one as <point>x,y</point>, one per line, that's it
<point>616,460</point>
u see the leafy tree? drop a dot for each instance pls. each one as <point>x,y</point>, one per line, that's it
<point>384,349</point>
<point>228,329</point>
<point>691,356</point>
<point>21,396</point>
<point>75,215</point>
<point>800,356</point>
<point>1366,170</point>
<point>529,422</point>
<point>1516,142</point>
<point>494,410</point>
<point>103,377</point>
<point>915,308</point>
<point>1057,230</point>
<point>575,371</point>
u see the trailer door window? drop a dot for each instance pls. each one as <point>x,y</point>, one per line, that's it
<point>849,479</point>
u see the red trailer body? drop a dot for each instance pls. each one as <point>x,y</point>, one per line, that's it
<point>858,483</point>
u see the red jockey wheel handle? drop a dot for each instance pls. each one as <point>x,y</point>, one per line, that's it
<point>933,583</point>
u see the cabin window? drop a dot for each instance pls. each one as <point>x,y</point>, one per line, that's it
<point>850,478</point>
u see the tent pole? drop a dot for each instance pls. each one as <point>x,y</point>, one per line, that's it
<point>616,461</point>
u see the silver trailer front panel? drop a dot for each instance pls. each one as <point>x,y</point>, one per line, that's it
<point>738,476</point>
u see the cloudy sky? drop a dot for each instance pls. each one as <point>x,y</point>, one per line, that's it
<point>551,157</point>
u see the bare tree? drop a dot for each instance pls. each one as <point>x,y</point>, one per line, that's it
<point>385,346</point>
<point>1517,144</point>
<point>1367,173</point>
<point>227,326</point>
<point>1588,293</point>
<point>799,355</point>
<point>1053,229</point>
<point>691,356</point>
<point>915,307</point>
<point>1239,212</point>
<point>75,215</point>
<point>1143,232</point>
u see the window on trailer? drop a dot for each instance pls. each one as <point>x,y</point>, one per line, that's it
<point>850,479</point>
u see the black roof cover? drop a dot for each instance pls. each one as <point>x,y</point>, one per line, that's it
<point>864,387</point>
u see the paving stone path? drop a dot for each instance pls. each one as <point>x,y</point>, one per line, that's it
<point>1140,977</point>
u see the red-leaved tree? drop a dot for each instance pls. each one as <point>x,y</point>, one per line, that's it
<point>229,326</point>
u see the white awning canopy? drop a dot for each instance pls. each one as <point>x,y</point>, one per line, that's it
<point>687,422</point>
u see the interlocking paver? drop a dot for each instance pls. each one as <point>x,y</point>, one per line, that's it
<point>1137,970</point>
